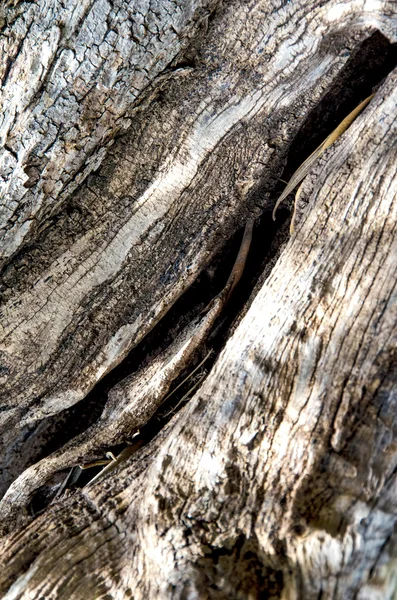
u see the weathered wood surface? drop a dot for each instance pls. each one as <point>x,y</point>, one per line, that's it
<point>136,235</point>
<point>71,76</point>
<point>278,476</point>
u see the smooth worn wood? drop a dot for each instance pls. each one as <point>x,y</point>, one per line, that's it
<point>277,479</point>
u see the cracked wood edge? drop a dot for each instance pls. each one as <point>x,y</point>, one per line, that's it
<point>132,402</point>
<point>126,393</point>
<point>307,165</point>
<point>279,476</point>
<point>98,279</point>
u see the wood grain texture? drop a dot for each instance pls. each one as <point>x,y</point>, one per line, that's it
<point>107,268</point>
<point>71,74</point>
<point>287,486</point>
<point>278,478</point>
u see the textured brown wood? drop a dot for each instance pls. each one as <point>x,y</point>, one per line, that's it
<point>72,75</point>
<point>278,478</point>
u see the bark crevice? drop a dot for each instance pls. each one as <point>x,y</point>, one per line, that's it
<point>277,476</point>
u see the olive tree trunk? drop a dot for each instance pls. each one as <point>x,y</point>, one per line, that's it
<point>137,139</point>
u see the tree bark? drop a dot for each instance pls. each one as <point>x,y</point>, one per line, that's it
<point>137,140</point>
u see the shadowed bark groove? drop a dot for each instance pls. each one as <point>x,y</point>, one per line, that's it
<point>278,478</point>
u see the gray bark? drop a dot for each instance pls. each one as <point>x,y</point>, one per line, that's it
<point>278,477</point>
